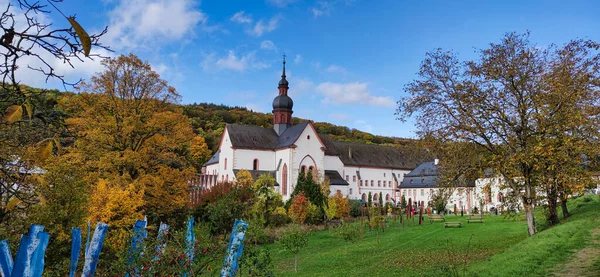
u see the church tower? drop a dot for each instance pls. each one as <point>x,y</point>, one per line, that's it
<point>282,106</point>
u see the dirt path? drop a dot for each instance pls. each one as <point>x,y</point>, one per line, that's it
<point>581,264</point>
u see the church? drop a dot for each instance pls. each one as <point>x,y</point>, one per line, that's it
<point>285,151</point>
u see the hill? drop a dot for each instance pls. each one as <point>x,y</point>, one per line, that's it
<point>208,120</point>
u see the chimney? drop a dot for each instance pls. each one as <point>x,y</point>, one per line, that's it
<point>436,161</point>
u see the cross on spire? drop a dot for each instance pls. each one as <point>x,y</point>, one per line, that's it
<point>283,74</point>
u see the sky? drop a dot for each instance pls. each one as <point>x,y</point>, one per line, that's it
<point>347,60</point>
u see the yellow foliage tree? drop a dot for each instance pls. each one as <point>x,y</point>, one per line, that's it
<point>338,206</point>
<point>244,178</point>
<point>121,207</point>
<point>199,151</point>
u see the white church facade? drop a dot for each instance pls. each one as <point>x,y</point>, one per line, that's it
<point>285,151</point>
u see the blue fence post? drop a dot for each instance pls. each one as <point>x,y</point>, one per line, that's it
<point>6,259</point>
<point>75,250</point>
<point>235,249</point>
<point>93,252</point>
<point>159,250</point>
<point>139,234</point>
<point>30,256</point>
<point>190,241</point>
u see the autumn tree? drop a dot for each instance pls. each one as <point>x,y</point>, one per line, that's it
<point>131,136</point>
<point>244,178</point>
<point>267,198</point>
<point>496,103</point>
<point>338,207</point>
<point>299,207</point>
<point>199,152</point>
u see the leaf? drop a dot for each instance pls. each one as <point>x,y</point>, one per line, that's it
<point>84,38</point>
<point>13,113</point>
<point>28,109</point>
<point>46,148</point>
<point>13,204</point>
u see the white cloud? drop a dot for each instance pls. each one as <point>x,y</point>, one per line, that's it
<point>268,45</point>
<point>298,59</point>
<point>135,22</point>
<point>233,62</point>
<point>281,3</point>
<point>299,86</point>
<point>323,8</point>
<point>352,93</point>
<point>339,116</point>
<point>262,27</point>
<point>336,69</point>
<point>316,65</point>
<point>364,126</point>
<point>241,17</point>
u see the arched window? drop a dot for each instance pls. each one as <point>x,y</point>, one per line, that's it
<point>364,197</point>
<point>303,169</point>
<point>310,169</point>
<point>222,178</point>
<point>387,197</point>
<point>227,178</point>
<point>375,196</point>
<point>255,164</point>
<point>284,180</point>
<point>282,118</point>
<point>500,197</point>
<point>372,182</point>
<point>308,137</point>
<point>225,164</point>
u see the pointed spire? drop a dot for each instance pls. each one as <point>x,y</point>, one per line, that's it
<point>283,83</point>
<point>283,74</point>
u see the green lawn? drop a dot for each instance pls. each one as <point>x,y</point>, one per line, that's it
<point>497,247</point>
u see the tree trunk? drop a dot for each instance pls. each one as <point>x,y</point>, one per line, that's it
<point>563,205</point>
<point>552,206</point>
<point>296,263</point>
<point>530,220</point>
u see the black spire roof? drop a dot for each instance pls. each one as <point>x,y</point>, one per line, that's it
<point>283,82</point>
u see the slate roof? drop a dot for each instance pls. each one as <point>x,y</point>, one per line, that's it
<point>424,176</point>
<point>214,159</point>
<point>255,137</point>
<point>359,154</point>
<point>335,178</point>
<point>256,173</point>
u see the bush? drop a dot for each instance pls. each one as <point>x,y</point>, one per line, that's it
<point>314,214</point>
<point>355,206</point>
<point>279,217</point>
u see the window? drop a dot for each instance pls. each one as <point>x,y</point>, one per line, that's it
<point>422,192</point>
<point>347,178</point>
<point>379,183</point>
<point>338,191</point>
<point>353,178</point>
<point>225,164</point>
<point>227,178</point>
<point>255,164</point>
<point>384,174</point>
<point>422,181</point>
<point>361,183</point>
<point>372,183</point>
<point>411,181</point>
<point>308,137</point>
<point>350,192</point>
<point>310,168</point>
<point>303,169</point>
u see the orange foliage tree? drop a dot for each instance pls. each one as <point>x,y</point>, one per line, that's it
<point>299,208</point>
<point>130,134</point>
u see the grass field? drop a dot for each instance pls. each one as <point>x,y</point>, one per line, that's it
<point>497,247</point>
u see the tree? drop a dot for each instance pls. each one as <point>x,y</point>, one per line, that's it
<point>199,151</point>
<point>380,200</point>
<point>338,207</point>
<point>496,103</point>
<point>244,178</point>
<point>294,240</point>
<point>350,233</point>
<point>311,189</point>
<point>265,191</point>
<point>64,197</point>
<point>299,208</point>
<point>119,206</point>
<point>370,200</point>
<point>403,205</point>
<point>130,134</point>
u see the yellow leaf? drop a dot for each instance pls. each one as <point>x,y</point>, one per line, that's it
<point>13,204</point>
<point>84,38</point>
<point>13,113</point>
<point>45,149</point>
<point>28,109</point>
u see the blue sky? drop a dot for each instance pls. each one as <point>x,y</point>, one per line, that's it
<point>347,60</point>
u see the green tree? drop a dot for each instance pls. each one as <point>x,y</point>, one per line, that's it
<point>370,200</point>
<point>293,241</point>
<point>350,233</point>
<point>498,104</point>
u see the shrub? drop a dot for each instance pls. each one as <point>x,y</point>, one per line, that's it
<point>299,208</point>
<point>293,241</point>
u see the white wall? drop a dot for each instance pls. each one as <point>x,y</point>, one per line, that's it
<point>285,156</point>
<point>227,152</point>
<point>244,159</point>
<point>378,176</point>
<point>306,151</point>
<point>463,197</point>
